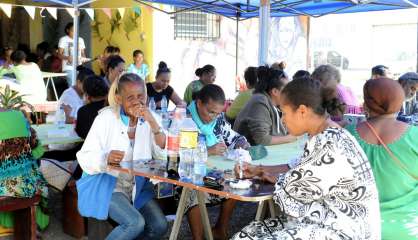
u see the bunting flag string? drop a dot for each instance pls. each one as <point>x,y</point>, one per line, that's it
<point>31,10</point>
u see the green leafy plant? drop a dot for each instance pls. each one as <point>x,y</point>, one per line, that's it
<point>115,23</point>
<point>12,100</point>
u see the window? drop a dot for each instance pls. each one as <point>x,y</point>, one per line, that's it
<point>195,25</point>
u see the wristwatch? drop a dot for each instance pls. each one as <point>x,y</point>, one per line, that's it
<point>158,131</point>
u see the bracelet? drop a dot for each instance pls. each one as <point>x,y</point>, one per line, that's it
<point>157,132</point>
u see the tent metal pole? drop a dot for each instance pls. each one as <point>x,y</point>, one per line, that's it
<point>264,23</point>
<point>75,42</point>
<point>237,46</point>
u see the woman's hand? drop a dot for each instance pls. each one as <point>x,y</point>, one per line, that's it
<point>248,170</point>
<point>218,149</point>
<point>242,144</point>
<point>115,157</point>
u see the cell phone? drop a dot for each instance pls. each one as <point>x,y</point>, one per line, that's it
<point>213,183</point>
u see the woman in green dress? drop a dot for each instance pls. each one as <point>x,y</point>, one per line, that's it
<point>396,175</point>
<point>19,171</point>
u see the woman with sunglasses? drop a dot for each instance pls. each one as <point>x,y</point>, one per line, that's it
<point>206,112</point>
<point>260,120</point>
<point>124,131</point>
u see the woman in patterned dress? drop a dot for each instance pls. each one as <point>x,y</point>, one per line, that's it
<point>20,176</point>
<point>331,192</point>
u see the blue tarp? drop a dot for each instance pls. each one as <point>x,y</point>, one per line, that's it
<point>283,8</point>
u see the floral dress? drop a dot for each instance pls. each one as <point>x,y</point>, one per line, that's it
<point>20,175</point>
<point>331,194</point>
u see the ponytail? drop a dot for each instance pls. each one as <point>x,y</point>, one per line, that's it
<point>309,92</point>
<point>269,78</point>
<point>113,91</point>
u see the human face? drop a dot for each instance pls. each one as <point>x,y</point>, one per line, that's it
<point>116,72</point>
<point>131,96</point>
<point>163,80</point>
<point>296,120</point>
<point>71,32</point>
<point>209,111</point>
<point>79,86</point>
<point>410,91</point>
<point>209,78</point>
<point>138,59</point>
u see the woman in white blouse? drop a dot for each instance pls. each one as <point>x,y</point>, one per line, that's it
<point>124,131</point>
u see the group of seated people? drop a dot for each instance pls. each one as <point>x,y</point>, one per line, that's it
<point>351,182</point>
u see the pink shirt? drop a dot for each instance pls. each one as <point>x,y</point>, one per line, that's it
<point>346,96</point>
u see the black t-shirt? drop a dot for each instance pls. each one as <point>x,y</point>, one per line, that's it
<point>158,96</point>
<point>86,116</point>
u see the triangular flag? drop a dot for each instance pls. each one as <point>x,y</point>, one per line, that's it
<point>90,12</point>
<point>71,12</point>
<point>137,10</point>
<point>52,11</point>
<point>121,12</point>
<point>108,12</point>
<point>31,11</point>
<point>7,9</point>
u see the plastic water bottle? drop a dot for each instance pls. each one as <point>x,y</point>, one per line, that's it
<point>200,159</point>
<point>188,144</point>
<point>173,146</point>
<point>152,105</point>
<point>164,104</point>
<point>60,117</point>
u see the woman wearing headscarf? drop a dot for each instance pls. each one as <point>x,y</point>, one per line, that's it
<point>392,149</point>
<point>20,175</point>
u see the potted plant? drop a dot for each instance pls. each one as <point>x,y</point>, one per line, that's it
<point>12,100</point>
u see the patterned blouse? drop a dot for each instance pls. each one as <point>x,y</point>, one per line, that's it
<point>224,130</point>
<point>19,149</point>
<point>331,194</point>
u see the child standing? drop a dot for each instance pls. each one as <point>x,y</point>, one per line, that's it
<point>139,67</point>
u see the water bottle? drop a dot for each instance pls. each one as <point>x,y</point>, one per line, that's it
<point>200,159</point>
<point>152,106</point>
<point>173,145</point>
<point>60,117</point>
<point>164,104</point>
<point>188,144</point>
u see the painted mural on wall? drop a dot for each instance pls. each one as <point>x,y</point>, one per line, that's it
<point>184,57</point>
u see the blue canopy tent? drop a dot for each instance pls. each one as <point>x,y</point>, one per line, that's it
<point>264,9</point>
<point>245,9</point>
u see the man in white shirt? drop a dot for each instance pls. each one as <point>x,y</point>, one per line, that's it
<point>65,46</point>
<point>72,98</point>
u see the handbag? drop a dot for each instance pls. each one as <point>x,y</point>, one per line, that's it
<point>56,173</point>
<point>94,195</point>
<point>395,159</point>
